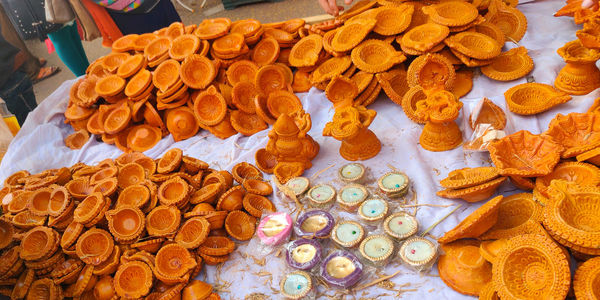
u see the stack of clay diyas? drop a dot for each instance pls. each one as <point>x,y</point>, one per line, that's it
<point>129,228</point>
<point>471,184</point>
<point>181,79</point>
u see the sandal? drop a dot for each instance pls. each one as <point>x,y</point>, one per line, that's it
<point>42,61</point>
<point>46,72</point>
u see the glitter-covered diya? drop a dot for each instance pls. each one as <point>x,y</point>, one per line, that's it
<point>275,228</point>
<point>352,173</point>
<point>303,254</point>
<point>418,252</point>
<point>314,224</point>
<point>296,285</point>
<point>341,269</point>
<point>351,196</point>
<point>377,249</point>
<point>400,225</point>
<point>347,233</point>
<point>394,184</point>
<point>321,195</point>
<point>298,185</point>
<point>373,210</point>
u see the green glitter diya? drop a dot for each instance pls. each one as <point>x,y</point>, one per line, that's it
<point>352,173</point>
<point>351,196</point>
<point>394,184</point>
<point>347,233</point>
<point>296,285</point>
<point>373,210</point>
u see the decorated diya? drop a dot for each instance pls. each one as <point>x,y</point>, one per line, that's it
<point>341,269</point>
<point>509,65</point>
<point>377,249</point>
<point>314,224</point>
<point>580,76</point>
<point>418,252</point>
<point>531,266</point>
<point>463,268</point>
<point>393,184</point>
<point>517,214</point>
<point>296,285</point>
<point>321,195</point>
<point>584,282</point>
<point>525,154</point>
<point>400,225</point>
<point>476,193</point>
<point>489,249</point>
<point>351,196</point>
<point>352,173</point>
<point>275,228</point>
<point>348,234</point>
<point>373,210</point>
<point>439,110</point>
<point>576,132</point>
<point>350,125</point>
<point>532,98</point>
<point>303,254</point>
<point>478,222</point>
<point>582,174</point>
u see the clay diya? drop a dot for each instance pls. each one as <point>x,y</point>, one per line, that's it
<point>476,223</point>
<point>511,21</point>
<point>275,228</point>
<point>240,225</point>
<point>393,184</point>
<point>197,71</point>
<point>94,246</point>
<point>463,83</point>
<point>400,225</point>
<point>392,20</point>
<point>133,279</point>
<point>580,173</point>
<point>350,125</point>
<point>197,289</point>
<point>314,224</point>
<point>584,281</point>
<point>569,216</point>
<point>580,76</point>
<point>491,248</point>
<point>330,68</point>
<point>441,133</point>
<point>299,185</point>
<point>232,199</point>
<point>525,154</point>
<point>418,252</point>
<point>517,214</point>
<point>341,91</point>
<point>531,265</point>
<point>305,52</point>
<point>77,139</point>
<point>303,254</point>
<point>394,83</point>
<point>217,246</point>
<point>452,13</point>
<point>341,269</point>
<point>351,34</point>
<point>576,132</point>
<point>181,123</point>
<point>351,196</point>
<point>44,288</point>
<point>475,193</point>
<point>373,210</point>
<point>172,262</point>
<point>193,232</point>
<point>463,268</point>
<point>6,233</point>
<point>163,221</point>
<point>210,107</point>
<point>38,243</point>
<point>348,234</point>
<point>143,137</point>
<point>468,177</point>
<point>243,171</point>
<point>377,249</point>
<point>375,56</point>
<point>533,98</point>
<point>126,223</point>
<point>321,195</point>
<point>431,71</point>
<point>296,285</point>
<point>257,204</point>
<point>509,65</point>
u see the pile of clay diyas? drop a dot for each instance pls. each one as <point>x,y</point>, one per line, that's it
<point>132,227</point>
<point>342,247</point>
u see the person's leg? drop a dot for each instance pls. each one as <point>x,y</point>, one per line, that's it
<point>32,63</point>
<point>18,94</point>
<point>76,40</point>
<point>68,50</point>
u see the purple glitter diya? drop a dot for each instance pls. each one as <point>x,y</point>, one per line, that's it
<point>314,224</point>
<point>341,269</point>
<point>303,254</point>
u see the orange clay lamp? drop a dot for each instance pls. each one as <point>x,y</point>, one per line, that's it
<point>580,76</point>
<point>440,133</point>
<point>351,126</point>
<point>290,146</point>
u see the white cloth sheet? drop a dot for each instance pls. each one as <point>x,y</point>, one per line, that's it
<point>39,146</point>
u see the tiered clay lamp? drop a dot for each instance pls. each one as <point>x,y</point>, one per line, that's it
<point>291,147</point>
<point>351,126</point>
<point>580,76</point>
<point>440,133</point>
